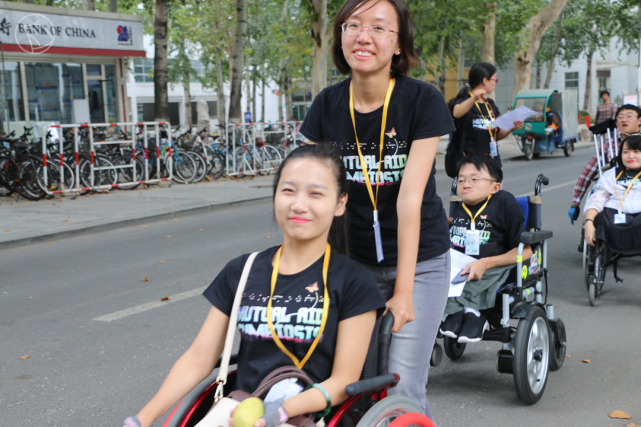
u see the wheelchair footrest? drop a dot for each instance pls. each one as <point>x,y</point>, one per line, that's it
<point>501,335</point>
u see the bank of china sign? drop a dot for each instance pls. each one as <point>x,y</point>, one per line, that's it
<point>37,32</point>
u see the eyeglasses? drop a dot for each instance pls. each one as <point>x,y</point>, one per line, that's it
<point>473,180</point>
<point>354,29</point>
<point>495,80</point>
<point>626,116</point>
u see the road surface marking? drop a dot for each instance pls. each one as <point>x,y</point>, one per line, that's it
<point>148,306</point>
<point>554,187</point>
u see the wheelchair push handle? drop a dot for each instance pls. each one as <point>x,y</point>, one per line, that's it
<point>541,179</point>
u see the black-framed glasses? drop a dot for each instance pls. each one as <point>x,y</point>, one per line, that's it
<point>473,180</point>
<point>354,29</point>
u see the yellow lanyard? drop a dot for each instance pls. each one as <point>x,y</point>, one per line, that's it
<point>358,146</point>
<point>473,218</point>
<point>626,191</point>
<point>299,364</point>
<point>489,112</point>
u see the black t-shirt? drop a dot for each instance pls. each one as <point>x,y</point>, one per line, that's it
<point>500,225</point>
<point>474,125</point>
<point>297,308</point>
<point>417,110</point>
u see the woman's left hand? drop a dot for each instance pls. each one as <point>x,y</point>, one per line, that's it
<point>518,125</point>
<point>402,308</point>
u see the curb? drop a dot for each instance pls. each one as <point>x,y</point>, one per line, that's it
<point>128,222</point>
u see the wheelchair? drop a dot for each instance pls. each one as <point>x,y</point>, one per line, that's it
<point>367,406</point>
<point>537,344</point>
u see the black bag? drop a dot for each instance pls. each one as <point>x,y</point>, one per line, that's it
<point>455,149</point>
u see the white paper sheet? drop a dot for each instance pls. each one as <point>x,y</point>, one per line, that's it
<point>458,262</point>
<point>506,121</point>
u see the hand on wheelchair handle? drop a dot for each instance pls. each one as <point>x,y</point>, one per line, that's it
<point>132,422</point>
<point>573,212</point>
<point>403,310</point>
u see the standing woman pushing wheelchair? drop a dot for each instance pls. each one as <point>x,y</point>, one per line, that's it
<point>387,128</point>
<point>475,112</point>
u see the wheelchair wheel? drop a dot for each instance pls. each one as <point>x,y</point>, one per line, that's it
<point>413,418</point>
<point>558,345</point>
<point>532,356</point>
<point>595,260</point>
<point>453,349</point>
<point>387,410</point>
<point>592,294</point>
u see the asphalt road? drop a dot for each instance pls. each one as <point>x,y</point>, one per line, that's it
<point>84,372</point>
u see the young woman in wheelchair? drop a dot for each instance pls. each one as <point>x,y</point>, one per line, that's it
<point>613,211</point>
<point>305,281</point>
<point>486,225</point>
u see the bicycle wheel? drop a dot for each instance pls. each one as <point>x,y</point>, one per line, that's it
<point>200,163</point>
<point>216,164</point>
<point>184,168</point>
<point>273,159</point>
<point>245,162</point>
<point>104,174</point>
<point>55,178</point>
<point>125,174</point>
<point>27,179</point>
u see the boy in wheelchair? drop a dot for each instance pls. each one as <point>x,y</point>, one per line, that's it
<point>613,211</point>
<point>487,225</point>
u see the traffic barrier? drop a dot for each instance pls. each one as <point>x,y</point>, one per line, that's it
<point>248,151</point>
<point>138,142</point>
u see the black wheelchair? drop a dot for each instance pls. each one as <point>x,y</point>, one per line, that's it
<point>537,344</point>
<point>368,404</point>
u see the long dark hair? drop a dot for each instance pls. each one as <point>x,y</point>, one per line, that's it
<point>478,72</point>
<point>327,154</point>
<point>400,63</point>
<point>634,143</point>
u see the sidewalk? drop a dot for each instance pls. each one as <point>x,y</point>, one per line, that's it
<point>26,222</point>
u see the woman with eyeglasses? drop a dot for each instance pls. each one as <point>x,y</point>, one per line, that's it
<point>386,127</point>
<point>475,113</point>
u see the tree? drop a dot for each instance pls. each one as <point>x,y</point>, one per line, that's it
<point>113,6</point>
<point>319,36</point>
<point>489,28</point>
<point>88,5</point>
<point>530,40</point>
<point>235,110</point>
<point>555,48</point>
<point>161,92</point>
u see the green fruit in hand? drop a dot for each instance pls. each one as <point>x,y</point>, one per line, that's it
<point>248,412</point>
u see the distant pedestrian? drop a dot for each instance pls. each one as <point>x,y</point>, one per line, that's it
<point>607,109</point>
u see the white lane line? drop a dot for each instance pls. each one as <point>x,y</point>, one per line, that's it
<point>554,187</point>
<point>148,306</point>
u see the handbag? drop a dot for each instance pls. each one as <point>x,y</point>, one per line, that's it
<point>219,414</point>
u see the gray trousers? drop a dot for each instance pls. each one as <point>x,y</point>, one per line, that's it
<point>411,348</point>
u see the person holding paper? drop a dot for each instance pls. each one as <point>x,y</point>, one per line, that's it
<point>486,225</point>
<point>475,112</point>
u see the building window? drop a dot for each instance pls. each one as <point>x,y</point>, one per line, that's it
<point>302,95</point>
<point>572,80</point>
<point>141,112</point>
<point>110,85</point>
<point>334,72</point>
<point>143,70</point>
<point>51,89</point>
<point>11,93</point>
<point>198,67</point>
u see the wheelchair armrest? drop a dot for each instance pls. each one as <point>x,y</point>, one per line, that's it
<point>233,360</point>
<point>371,384</point>
<point>532,237</point>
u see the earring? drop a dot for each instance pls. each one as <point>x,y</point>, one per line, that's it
<point>398,53</point>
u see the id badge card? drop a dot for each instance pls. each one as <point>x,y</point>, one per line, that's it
<point>494,151</point>
<point>379,241</point>
<point>619,218</point>
<point>472,242</point>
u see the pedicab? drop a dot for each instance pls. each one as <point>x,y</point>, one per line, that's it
<point>555,126</point>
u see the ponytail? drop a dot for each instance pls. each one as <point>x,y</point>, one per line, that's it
<point>478,72</point>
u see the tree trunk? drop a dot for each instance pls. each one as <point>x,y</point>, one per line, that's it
<point>235,113</point>
<point>289,99</point>
<point>88,5</point>
<point>460,81</point>
<point>161,94</point>
<point>588,79</point>
<point>489,28</point>
<point>440,66</point>
<point>281,90</point>
<point>530,42</point>
<point>248,100</point>
<point>254,116</point>
<point>555,48</point>
<point>186,78</point>
<point>319,35</point>
<point>113,6</point>
<point>220,89</point>
<point>537,83</point>
<point>262,106</point>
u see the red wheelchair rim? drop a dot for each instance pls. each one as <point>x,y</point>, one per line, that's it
<point>413,418</point>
